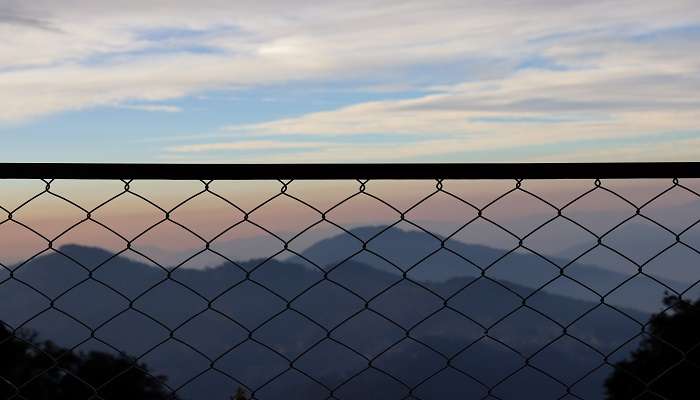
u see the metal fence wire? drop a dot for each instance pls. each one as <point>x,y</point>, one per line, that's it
<point>364,317</point>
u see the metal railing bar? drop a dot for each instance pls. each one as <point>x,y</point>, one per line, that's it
<point>394,171</point>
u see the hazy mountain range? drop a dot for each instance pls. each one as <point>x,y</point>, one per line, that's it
<point>396,251</point>
<point>286,313</point>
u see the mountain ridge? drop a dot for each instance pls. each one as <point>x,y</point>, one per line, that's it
<point>293,310</point>
<point>405,251</point>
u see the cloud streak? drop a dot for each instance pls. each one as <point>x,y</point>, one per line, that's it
<point>245,146</point>
<point>152,108</point>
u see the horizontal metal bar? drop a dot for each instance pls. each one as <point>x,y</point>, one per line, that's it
<point>351,171</point>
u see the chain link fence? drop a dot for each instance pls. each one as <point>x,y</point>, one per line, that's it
<point>403,306</point>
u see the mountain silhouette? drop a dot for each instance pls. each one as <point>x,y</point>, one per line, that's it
<point>676,264</point>
<point>182,322</point>
<point>397,251</point>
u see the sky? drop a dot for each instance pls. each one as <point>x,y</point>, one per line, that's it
<point>221,81</point>
<point>349,81</point>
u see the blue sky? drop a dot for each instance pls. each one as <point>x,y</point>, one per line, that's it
<point>361,81</point>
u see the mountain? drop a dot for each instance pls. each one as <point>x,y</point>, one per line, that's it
<point>239,249</point>
<point>420,256</point>
<point>252,329</point>
<point>650,246</point>
<point>677,211</point>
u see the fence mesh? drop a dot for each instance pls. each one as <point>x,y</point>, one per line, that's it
<point>344,331</point>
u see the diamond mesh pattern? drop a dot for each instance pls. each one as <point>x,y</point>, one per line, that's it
<point>325,333</point>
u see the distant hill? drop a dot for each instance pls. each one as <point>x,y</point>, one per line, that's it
<point>655,248</point>
<point>367,312</point>
<point>397,251</point>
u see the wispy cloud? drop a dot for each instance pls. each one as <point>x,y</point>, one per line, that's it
<point>245,145</point>
<point>7,18</point>
<point>314,152</point>
<point>152,107</point>
<point>529,108</point>
<point>671,150</point>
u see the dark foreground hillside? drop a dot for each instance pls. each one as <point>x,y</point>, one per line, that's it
<point>34,369</point>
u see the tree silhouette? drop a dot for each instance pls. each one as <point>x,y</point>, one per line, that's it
<point>240,394</point>
<point>667,363</point>
<point>44,371</point>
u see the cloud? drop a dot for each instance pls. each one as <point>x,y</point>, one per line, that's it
<point>487,77</point>
<point>529,108</point>
<point>103,53</point>
<point>152,107</point>
<point>311,151</point>
<point>245,145</point>
<point>671,150</point>
<point>9,19</point>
